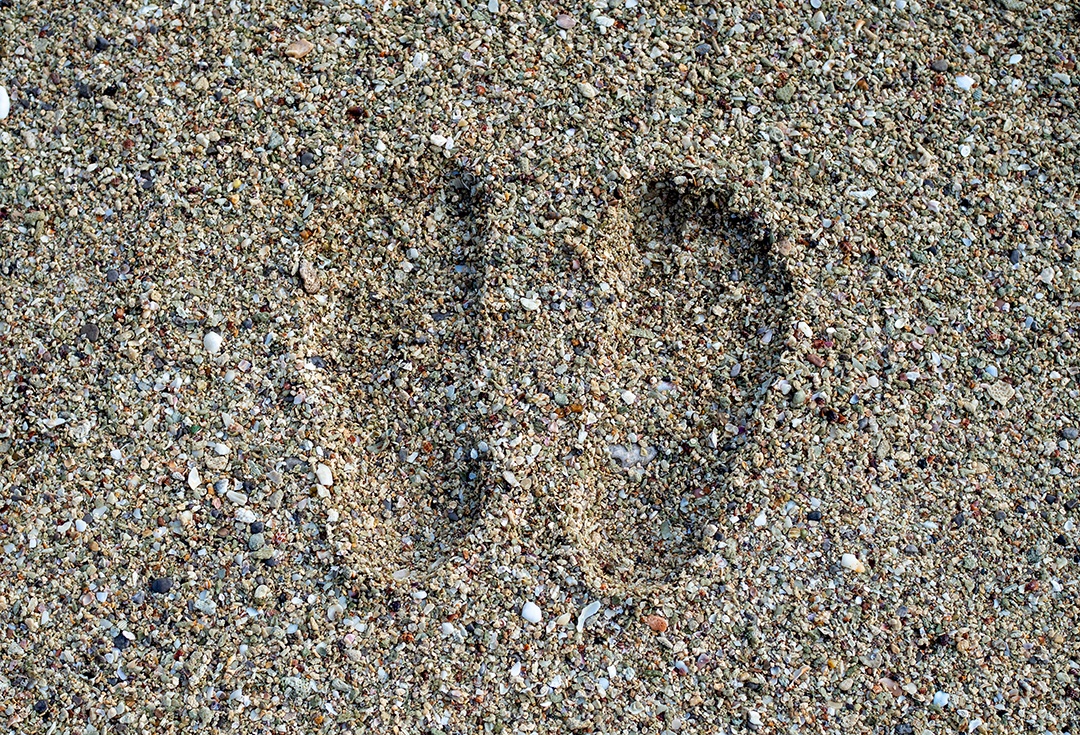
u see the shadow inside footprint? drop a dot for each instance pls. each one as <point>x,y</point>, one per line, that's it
<point>694,340</point>
<point>416,336</point>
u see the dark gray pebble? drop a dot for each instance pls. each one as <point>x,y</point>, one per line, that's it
<point>90,331</point>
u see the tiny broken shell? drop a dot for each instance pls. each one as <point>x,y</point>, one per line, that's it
<point>657,623</point>
<point>309,277</point>
<point>299,49</point>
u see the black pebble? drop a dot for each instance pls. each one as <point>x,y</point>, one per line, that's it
<point>246,324</point>
<point>814,515</point>
<point>271,562</point>
<point>40,706</point>
<point>1061,540</point>
<point>940,65</point>
<point>1051,498</point>
<point>100,44</point>
<point>121,642</point>
<point>161,585</point>
<point>999,515</point>
<point>1014,257</point>
<point>83,90</point>
<point>112,275</point>
<point>959,519</point>
<point>1071,504</point>
<point>90,332</point>
<point>257,527</point>
<point>307,158</point>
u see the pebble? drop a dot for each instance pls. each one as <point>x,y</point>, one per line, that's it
<point>212,342</point>
<point>965,82</point>
<point>324,475</point>
<point>628,397</point>
<point>193,479</point>
<point>587,90</point>
<point>852,562</point>
<point>299,48</point>
<point>310,279</point>
<point>657,623</point>
<point>814,515</point>
<point>261,592</point>
<point>5,103</point>
<point>161,585</point>
<point>941,699</point>
<point>90,332</point>
<point>940,65</point>
<point>564,21</point>
<point>531,612</point>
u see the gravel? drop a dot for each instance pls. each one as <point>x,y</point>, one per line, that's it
<point>347,329</point>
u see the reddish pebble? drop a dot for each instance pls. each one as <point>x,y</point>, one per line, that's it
<point>657,623</point>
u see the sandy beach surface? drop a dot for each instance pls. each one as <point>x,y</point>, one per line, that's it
<point>631,367</point>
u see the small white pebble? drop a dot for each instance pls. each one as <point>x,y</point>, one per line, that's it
<point>5,103</point>
<point>530,304</point>
<point>326,478</point>
<point>221,449</point>
<point>1015,59</point>
<point>447,629</point>
<point>760,521</point>
<point>80,525</point>
<point>193,479</point>
<point>941,699</point>
<point>852,562</point>
<point>212,342</point>
<point>628,397</point>
<point>531,612</point>
<point>965,82</point>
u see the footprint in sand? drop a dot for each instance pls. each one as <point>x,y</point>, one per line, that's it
<point>588,405</point>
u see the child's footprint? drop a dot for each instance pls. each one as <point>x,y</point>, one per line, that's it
<point>420,488</point>
<point>692,342</point>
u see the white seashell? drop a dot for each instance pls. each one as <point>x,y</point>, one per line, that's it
<point>5,103</point>
<point>587,612</point>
